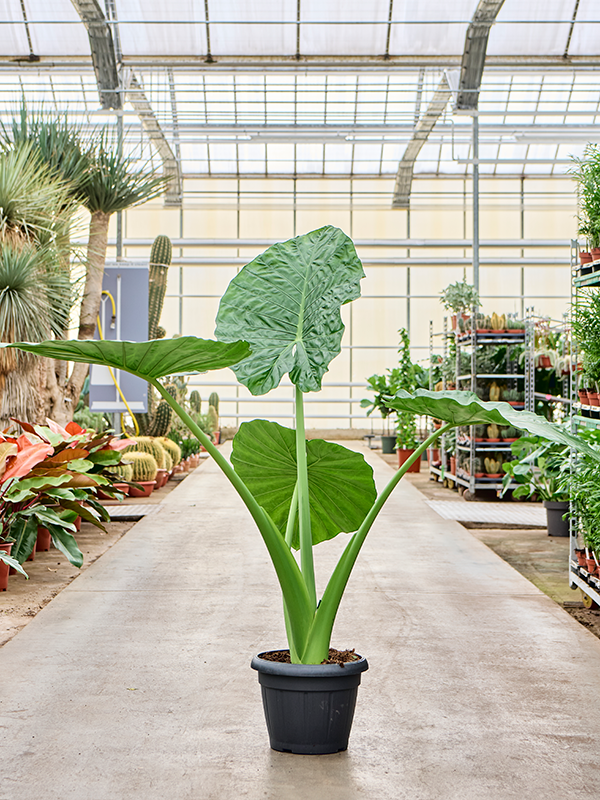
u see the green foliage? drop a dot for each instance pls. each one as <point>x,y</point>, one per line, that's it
<point>111,182</point>
<point>148,360</point>
<point>340,482</point>
<point>460,297</point>
<point>286,305</point>
<point>586,172</point>
<point>406,425</point>
<point>586,329</point>
<point>540,468</point>
<point>144,466</point>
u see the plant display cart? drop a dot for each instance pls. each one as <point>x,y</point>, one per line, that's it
<point>585,415</point>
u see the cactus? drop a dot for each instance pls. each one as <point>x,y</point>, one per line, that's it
<point>510,433</point>
<point>160,260</point>
<point>495,391</point>
<point>213,401</point>
<point>148,444</point>
<point>213,419</point>
<point>144,467</point>
<point>172,449</point>
<point>493,466</point>
<point>493,432</point>
<point>124,471</point>
<point>160,423</point>
<point>196,401</point>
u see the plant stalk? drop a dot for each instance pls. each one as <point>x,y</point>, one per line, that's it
<point>320,634</point>
<point>306,553</point>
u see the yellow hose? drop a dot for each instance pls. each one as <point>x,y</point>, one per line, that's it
<point>112,374</point>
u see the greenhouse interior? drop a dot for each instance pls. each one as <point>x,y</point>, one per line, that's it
<point>315,288</point>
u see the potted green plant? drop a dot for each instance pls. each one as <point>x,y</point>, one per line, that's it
<point>384,386</point>
<point>281,315</point>
<point>406,425</point>
<point>586,172</point>
<point>541,470</point>
<point>460,298</point>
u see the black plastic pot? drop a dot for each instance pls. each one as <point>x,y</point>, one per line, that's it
<point>388,443</point>
<point>557,526</point>
<point>309,707</point>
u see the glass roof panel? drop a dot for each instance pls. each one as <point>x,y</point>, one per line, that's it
<point>148,27</point>
<point>13,36</point>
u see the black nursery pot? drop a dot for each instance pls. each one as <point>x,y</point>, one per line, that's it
<point>309,707</point>
<point>555,511</point>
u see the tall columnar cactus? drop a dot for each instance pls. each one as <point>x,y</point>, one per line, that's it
<point>213,419</point>
<point>160,260</point>
<point>144,466</point>
<point>213,401</point>
<point>195,401</point>
<point>160,423</point>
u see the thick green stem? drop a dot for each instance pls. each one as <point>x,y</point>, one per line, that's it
<point>320,633</point>
<point>306,553</point>
<point>293,587</point>
<point>291,521</point>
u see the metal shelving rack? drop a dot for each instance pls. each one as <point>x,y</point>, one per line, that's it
<point>581,415</point>
<point>473,340</point>
<point>440,472</point>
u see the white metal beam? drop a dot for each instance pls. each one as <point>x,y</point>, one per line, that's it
<point>103,52</point>
<point>473,60</point>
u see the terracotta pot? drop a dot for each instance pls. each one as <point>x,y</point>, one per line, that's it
<point>122,487</point>
<point>584,257</point>
<point>516,403</point>
<point>31,556</point>
<point>145,491</point>
<point>595,253</point>
<point>492,440</point>
<point>6,547</point>
<point>583,398</point>
<point>580,556</point>
<point>453,465</point>
<point>433,456</point>
<point>509,441</point>
<point>480,474</point>
<point>493,475</point>
<point>77,523</point>
<point>591,566</point>
<point>593,398</point>
<point>404,455</point>
<point>217,435</point>
<point>544,362</point>
<point>44,540</point>
<point>162,476</point>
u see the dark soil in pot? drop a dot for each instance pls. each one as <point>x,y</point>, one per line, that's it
<point>309,708</point>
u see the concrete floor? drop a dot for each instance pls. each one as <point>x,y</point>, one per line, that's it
<point>134,682</point>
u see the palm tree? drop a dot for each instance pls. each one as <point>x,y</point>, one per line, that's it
<point>99,176</point>
<point>35,287</point>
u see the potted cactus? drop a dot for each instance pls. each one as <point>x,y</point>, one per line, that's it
<point>493,467</point>
<point>292,487</point>
<point>144,473</point>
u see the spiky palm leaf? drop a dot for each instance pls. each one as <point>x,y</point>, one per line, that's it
<point>113,182</point>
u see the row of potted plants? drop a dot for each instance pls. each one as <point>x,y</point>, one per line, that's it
<point>51,478</point>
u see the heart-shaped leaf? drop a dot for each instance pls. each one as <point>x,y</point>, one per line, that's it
<point>465,408</point>
<point>148,360</point>
<point>340,482</point>
<point>286,305</point>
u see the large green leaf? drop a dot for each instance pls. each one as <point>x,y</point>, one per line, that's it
<point>153,359</point>
<point>286,305</point>
<point>340,482</point>
<point>465,408</point>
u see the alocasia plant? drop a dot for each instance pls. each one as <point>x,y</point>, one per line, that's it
<point>282,315</point>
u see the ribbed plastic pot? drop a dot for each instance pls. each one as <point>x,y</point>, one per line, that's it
<point>557,526</point>
<point>309,708</point>
<point>388,444</point>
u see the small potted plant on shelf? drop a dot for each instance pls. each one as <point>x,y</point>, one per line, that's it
<point>460,298</point>
<point>298,492</point>
<point>541,470</point>
<point>478,467</point>
<point>493,467</point>
<point>406,426</point>
<point>586,172</point>
<point>585,496</point>
<point>513,396</point>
